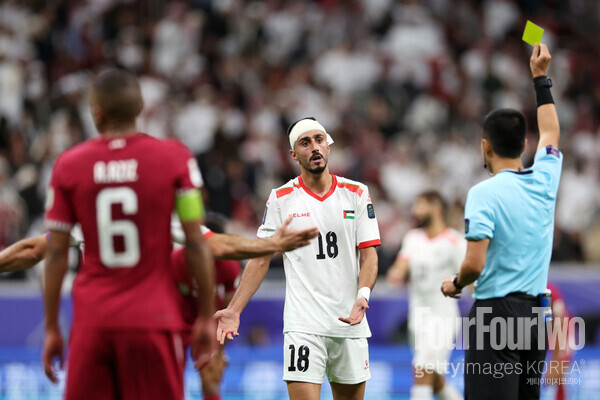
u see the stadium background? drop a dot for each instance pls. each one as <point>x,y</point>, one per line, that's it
<point>401,85</point>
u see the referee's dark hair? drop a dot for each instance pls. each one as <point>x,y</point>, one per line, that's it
<point>505,128</point>
<point>432,197</point>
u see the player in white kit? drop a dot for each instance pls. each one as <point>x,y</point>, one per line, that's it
<point>328,282</point>
<point>430,251</point>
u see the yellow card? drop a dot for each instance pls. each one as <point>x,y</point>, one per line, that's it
<point>533,33</point>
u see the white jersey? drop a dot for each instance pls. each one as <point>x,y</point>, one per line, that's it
<point>322,278</point>
<point>430,261</point>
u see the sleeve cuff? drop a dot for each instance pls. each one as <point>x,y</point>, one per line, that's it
<point>61,226</point>
<point>370,243</point>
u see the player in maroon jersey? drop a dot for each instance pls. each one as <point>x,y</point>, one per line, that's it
<point>227,273</point>
<point>122,187</point>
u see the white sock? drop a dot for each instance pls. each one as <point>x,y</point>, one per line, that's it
<point>449,392</point>
<point>421,392</point>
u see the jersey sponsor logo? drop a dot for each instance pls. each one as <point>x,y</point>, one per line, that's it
<point>299,215</point>
<point>370,211</point>
<point>552,150</point>
<point>348,214</point>
<point>466,225</point>
<point>117,171</point>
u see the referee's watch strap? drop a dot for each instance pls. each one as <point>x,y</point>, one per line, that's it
<point>455,282</point>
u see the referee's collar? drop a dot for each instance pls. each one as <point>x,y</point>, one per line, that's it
<point>518,172</point>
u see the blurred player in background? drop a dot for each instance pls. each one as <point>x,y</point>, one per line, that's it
<point>563,353</point>
<point>122,187</point>
<point>227,273</point>
<point>429,253</point>
<point>331,277</point>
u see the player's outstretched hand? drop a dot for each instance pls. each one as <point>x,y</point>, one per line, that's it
<point>53,347</point>
<point>291,239</point>
<point>228,323</point>
<point>204,344</point>
<point>540,58</point>
<point>449,290</point>
<point>357,313</point>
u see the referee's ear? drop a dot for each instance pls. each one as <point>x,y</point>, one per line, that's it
<point>486,146</point>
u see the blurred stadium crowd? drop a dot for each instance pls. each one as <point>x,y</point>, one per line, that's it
<point>402,86</point>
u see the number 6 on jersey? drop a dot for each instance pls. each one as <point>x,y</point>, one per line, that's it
<point>108,228</point>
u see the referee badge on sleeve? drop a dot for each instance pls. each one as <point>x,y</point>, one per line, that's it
<point>552,150</point>
<point>466,225</point>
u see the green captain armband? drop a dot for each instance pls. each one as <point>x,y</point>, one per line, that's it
<point>189,205</point>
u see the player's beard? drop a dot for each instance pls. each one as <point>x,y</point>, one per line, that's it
<point>315,170</point>
<point>424,221</point>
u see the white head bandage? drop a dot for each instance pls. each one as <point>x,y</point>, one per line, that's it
<point>306,125</point>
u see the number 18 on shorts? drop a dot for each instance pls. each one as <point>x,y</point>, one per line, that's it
<point>309,358</point>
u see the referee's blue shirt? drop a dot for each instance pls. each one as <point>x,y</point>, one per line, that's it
<point>515,210</point>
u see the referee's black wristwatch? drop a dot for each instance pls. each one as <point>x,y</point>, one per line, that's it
<point>455,282</point>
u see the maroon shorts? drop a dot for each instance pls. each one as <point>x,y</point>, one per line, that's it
<point>124,364</point>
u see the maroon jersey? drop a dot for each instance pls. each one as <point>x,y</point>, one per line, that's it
<point>227,273</point>
<point>122,192</point>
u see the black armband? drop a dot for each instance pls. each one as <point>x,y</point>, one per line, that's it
<point>542,85</point>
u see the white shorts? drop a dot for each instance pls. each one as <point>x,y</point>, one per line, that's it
<point>432,342</point>
<point>308,358</point>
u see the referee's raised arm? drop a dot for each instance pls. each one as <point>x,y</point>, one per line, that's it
<point>546,111</point>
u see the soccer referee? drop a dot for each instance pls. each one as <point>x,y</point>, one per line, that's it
<point>509,221</point>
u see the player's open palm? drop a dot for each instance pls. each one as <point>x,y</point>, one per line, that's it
<point>228,323</point>
<point>357,313</point>
<point>53,348</point>
<point>203,341</point>
<point>291,239</point>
